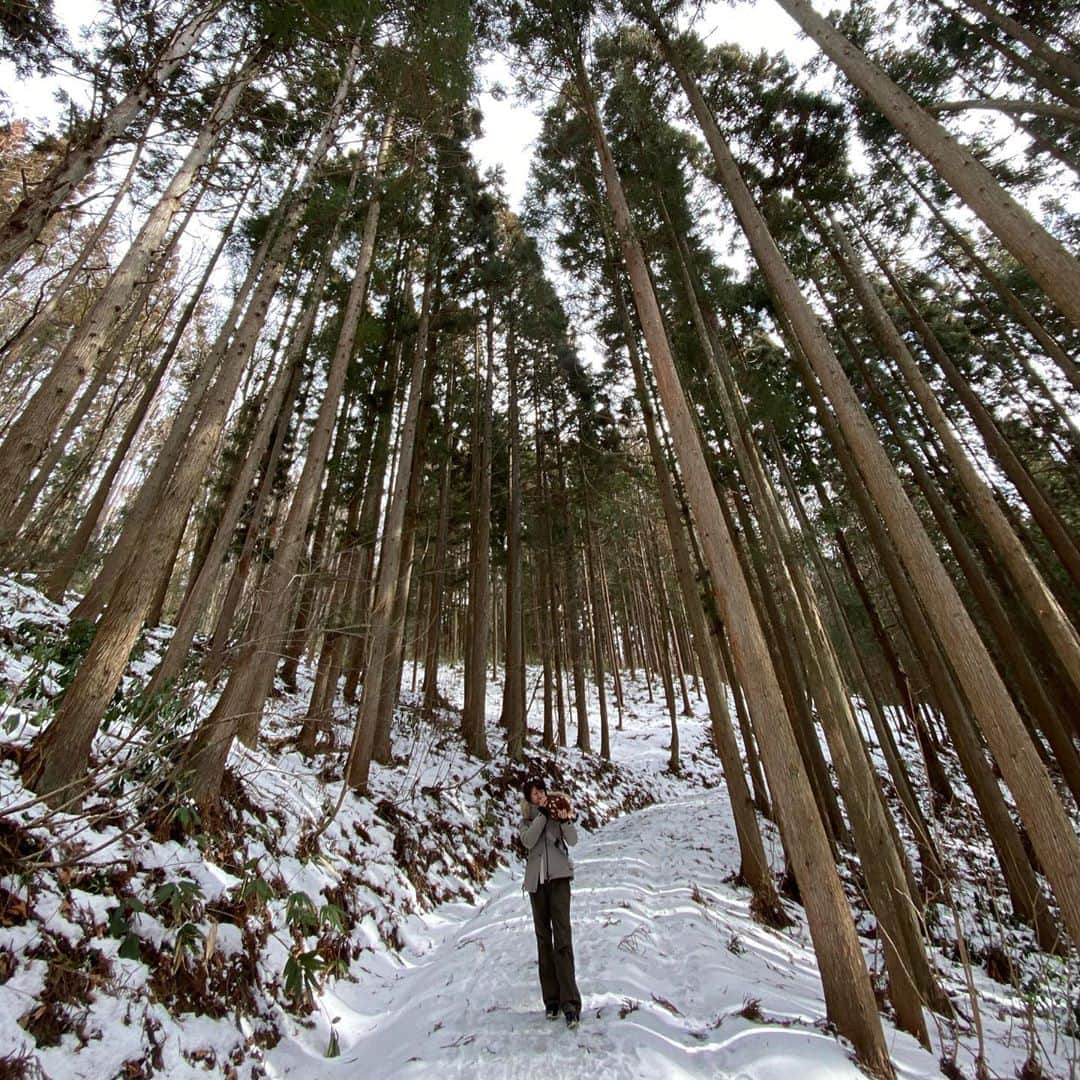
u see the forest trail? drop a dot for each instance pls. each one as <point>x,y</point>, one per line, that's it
<point>667,960</point>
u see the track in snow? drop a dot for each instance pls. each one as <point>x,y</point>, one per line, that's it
<point>664,969</point>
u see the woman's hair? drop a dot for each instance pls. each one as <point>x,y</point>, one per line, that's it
<point>532,782</point>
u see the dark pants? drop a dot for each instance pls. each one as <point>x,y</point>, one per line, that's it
<point>551,920</point>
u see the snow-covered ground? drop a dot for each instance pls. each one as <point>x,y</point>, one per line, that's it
<point>400,944</point>
<point>676,979</point>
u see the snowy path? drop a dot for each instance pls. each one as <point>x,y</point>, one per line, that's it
<point>664,969</point>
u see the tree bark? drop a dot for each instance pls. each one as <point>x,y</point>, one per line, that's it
<point>1050,523</point>
<point>239,709</point>
<point>57,763</point>
<point>148,497</point>
<point>848,994</point>
<point>358,764</point>
<point>1052,834</point>
<point>514,675</point>
<point>1028,583</point>
<point>479,617</point>
<point>28,437</point>
<point>1056,271</point>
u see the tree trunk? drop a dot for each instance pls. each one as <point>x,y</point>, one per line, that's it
<point>1029,585</point>
<point>1059,62</point>
<point>358,764</point>
<point>592,592</point>
<point>239,709</point>
<point>273,421</point>
<point>1050,523</point>
<point>1052,834</point>
<point>572,610</point>
<point>1056,271</point>
<point>935,771</point>
<point>59,756</point>
<point>910,979</point>
<point>848,994</point>
<point>61,574</point>
<point>1025,318</point>
<point>479,617</point>
<point>148,497</point>
<point>28,436</point>
<point>753,864</point>
<point>933,869</point>
<point>368,526</point>
<point>12,349</point>
<point>514,681</point>
<point>1020,879</point>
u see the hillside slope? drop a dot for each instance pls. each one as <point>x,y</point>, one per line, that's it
<point>134,942</point>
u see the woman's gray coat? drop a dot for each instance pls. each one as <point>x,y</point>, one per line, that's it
<point>545,838</point>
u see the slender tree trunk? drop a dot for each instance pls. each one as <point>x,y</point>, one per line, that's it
<point>514,683</point>
<point>57,763</point>
<point>239,709</point>
<point>148,497</point>
<point>28,437</point>
<point>1015,662</point>
<point>358,764</point>
<point>1052,834</point>
<point>753,867</point>
<point>13,348</point>
<point>114,344</point>
<point>609,638</point>
<point>936,775</point>
<point>1020,879</point>
<point>1050,523</point>
<point>390,684</point>
<point>315,557</point>
<point>434,616</point>
<point>1025,318</point>
<point>658,617</point>
<point>910,979</point>
<point>479,618</point>
<point>546,599</point>
<point>933,869</point>
<point>848,994</point>
<point>1061,63</point>
<point>1029,585</point>
<point>572,611</point>
<point>593,600</point>
<point>274,419</point>
<point>368,527</point>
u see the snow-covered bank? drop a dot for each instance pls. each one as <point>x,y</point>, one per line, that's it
<point>399,942</point>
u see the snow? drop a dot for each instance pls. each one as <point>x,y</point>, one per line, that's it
<point>663,976</point>
<point>436,966</point>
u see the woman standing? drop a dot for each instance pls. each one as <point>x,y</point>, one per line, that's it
<point>548,872</point>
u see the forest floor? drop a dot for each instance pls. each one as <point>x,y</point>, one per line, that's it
<point>135,941</point>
